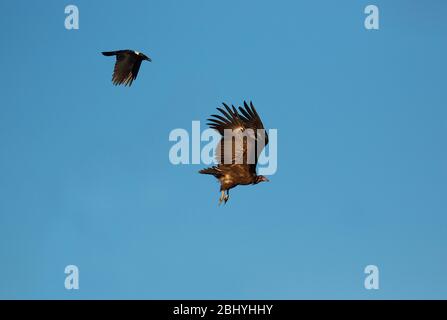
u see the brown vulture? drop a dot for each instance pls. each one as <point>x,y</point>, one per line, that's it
<point>127,65</point>
<point>243,139</point>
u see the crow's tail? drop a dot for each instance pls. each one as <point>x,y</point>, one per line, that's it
<point>109,53</point>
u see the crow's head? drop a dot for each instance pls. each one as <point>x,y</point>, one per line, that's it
<point>145,57</point>
<point>142,56</point>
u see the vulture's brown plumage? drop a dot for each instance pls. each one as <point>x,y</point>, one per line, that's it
<point>127,65</point>
<point>243,139</point>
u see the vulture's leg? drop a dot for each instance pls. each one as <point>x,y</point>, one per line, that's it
<point>227,196</point>
<point>222,197</point>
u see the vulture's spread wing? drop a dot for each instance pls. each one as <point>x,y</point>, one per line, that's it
<point>243,135</point>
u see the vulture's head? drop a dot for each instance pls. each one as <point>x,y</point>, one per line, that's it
<point>261,179</point>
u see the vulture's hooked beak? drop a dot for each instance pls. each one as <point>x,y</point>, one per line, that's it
<point>265,179</point>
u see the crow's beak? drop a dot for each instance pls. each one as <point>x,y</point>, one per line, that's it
<point>149,59</point>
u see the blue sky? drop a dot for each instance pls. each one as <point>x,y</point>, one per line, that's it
<point>85,177</point>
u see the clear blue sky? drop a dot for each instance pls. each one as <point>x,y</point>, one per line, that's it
<point>85,177</point>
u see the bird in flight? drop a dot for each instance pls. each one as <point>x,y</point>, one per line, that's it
<point>243,139</point>
<point>127,65</point>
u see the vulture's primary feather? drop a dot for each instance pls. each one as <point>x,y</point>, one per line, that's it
<point>243,139</point>
<point>127,65</point>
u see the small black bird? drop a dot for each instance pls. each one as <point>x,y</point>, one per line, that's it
<point>127,64</point>
<point>237,154</point>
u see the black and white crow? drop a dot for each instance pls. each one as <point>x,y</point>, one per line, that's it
<point>127,64</point>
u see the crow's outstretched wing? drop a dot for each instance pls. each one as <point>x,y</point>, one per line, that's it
<point>126,66</point>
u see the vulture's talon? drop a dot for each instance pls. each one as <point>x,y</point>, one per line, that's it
<point>222,198</point>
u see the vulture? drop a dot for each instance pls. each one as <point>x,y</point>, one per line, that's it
<point>243,139</point>
<point>127,65</point>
